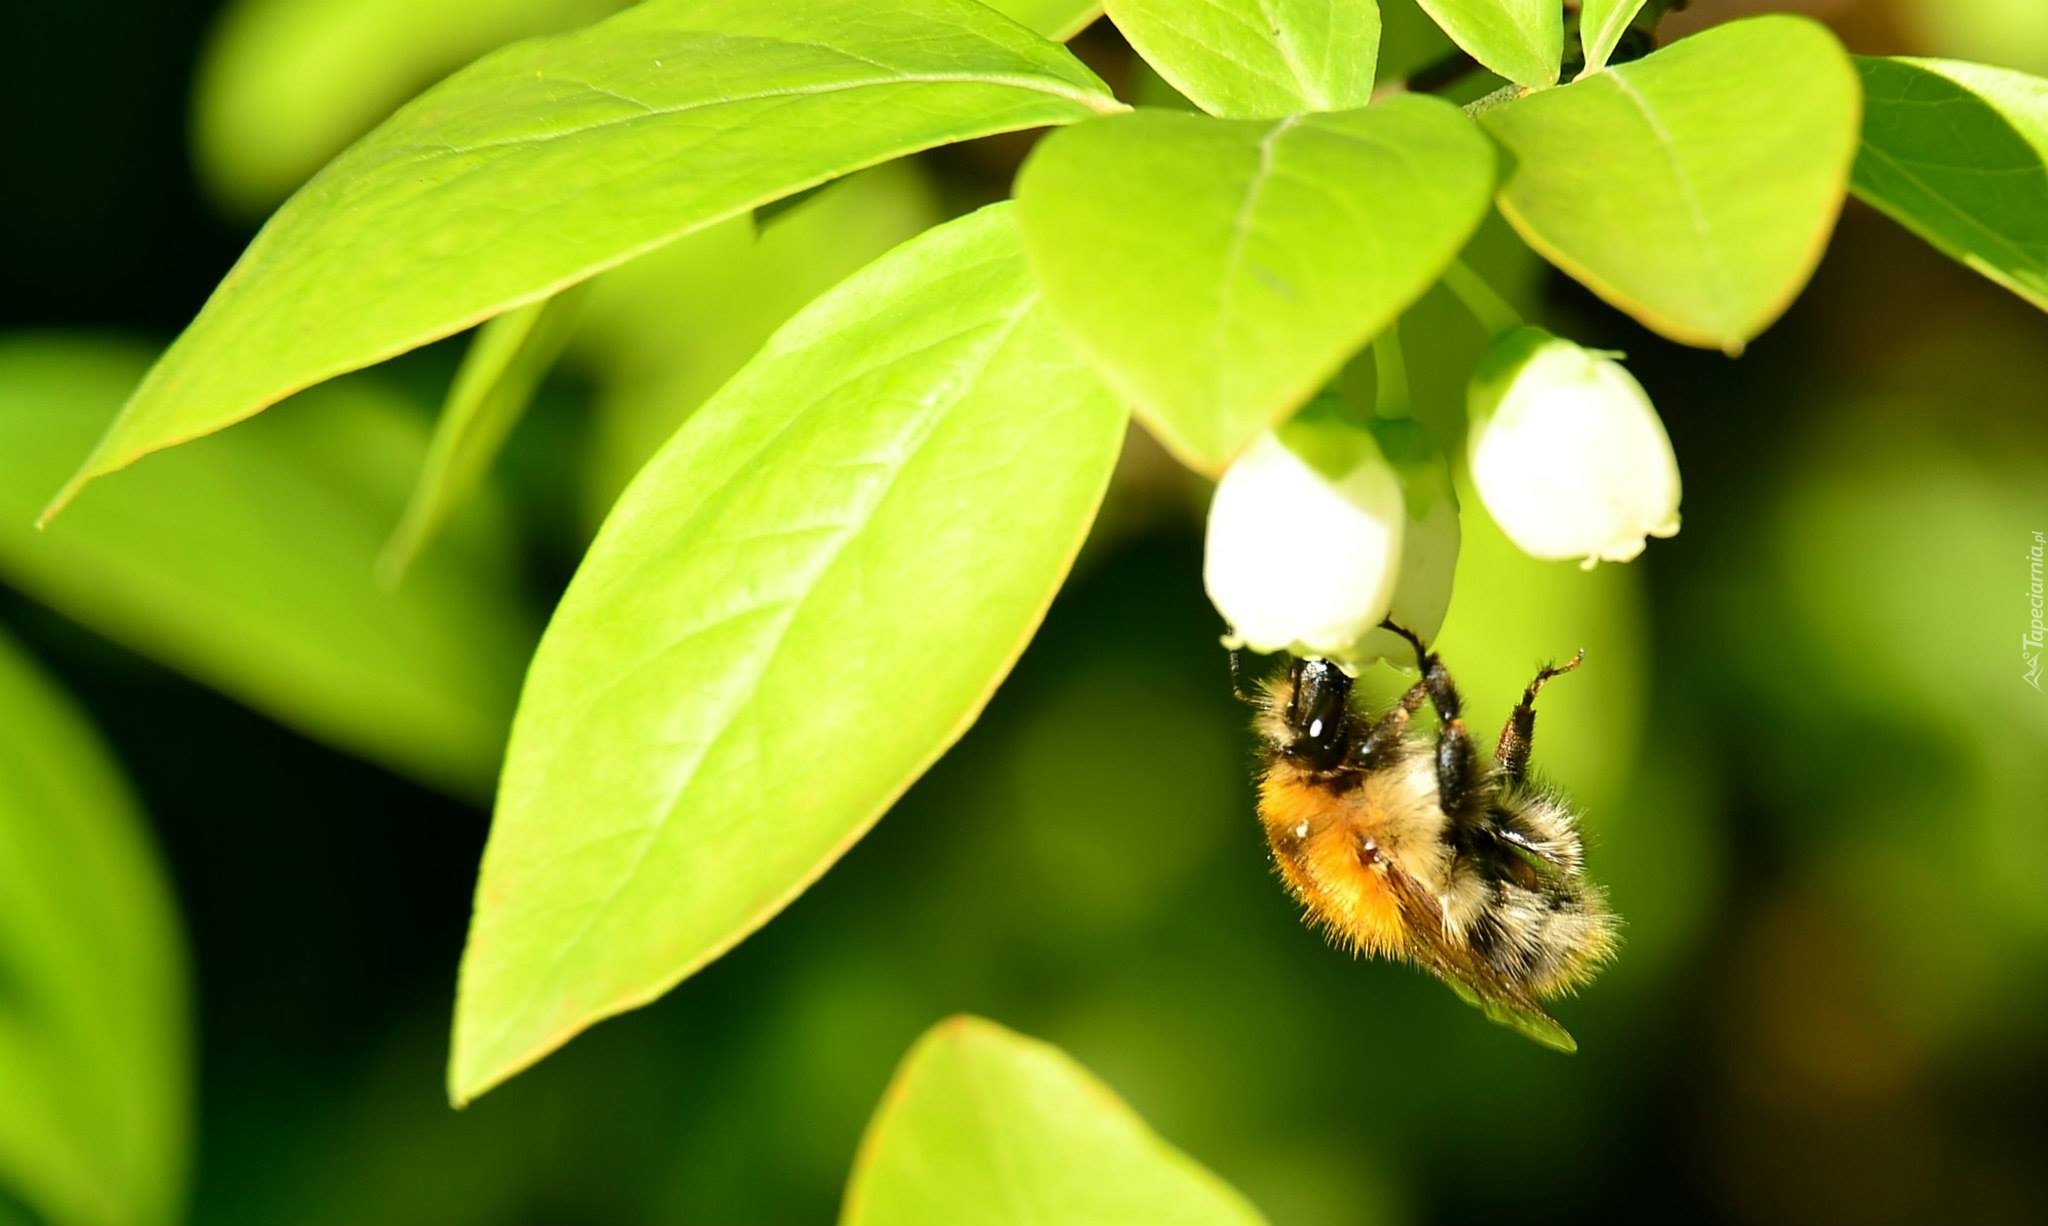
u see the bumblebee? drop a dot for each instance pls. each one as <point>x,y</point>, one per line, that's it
<point>1401,848</point>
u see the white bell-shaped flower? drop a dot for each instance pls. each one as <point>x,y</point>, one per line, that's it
<point>1567,452</point>
<point>1315,537</point>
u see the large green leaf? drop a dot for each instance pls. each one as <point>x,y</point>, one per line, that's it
<point>247,561</point>
<point>796,607</point>
<point>984,1127</point>
<point>283,85</point>
<point>1258,59</point>
<point>1694,188</point>
<point>1522,40</point>
<point>1601,25</point>
<point>94,1050</point>
<point>556,158</point>
<point>499,375</point>
<point>1958,153</point>
<point>1219,271</point>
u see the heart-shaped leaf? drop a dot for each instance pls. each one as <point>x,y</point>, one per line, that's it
<point>801,601</point>
<point>984,1127</point>
<point>1958,153</point>
<point>1219,271</point>
<point>94,1039</point>
<point>558,157</point>
<point>1257,59</point>
<point>1601,25</point>
<point>1522,40</point>
<point>1694,188</point>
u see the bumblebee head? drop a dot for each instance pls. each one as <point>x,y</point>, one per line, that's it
<point>1317,692</point>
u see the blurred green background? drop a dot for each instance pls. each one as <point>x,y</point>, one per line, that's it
<point>1812,775</point>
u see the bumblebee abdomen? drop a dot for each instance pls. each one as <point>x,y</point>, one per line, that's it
<point>1542,925</point>
<point>1332,847</point>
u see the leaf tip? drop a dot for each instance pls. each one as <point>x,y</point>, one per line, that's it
<point>65,494</point>
<point>957,1026</point>
<point>472,1071</point>
<point>468,1082</point>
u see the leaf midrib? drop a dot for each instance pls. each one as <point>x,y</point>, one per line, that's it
<point>1099,103</point>
<point>1695,212</point>
<point>1233,261</point>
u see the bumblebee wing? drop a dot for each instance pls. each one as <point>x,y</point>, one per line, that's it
<point>1476,983</point>
<point>1528,1019</point>
<point>1533,867</point>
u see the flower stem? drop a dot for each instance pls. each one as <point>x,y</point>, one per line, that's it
<point>1390,374</point>
<point>1480,299</point>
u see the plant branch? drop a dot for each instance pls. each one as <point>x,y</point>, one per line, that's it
<point>1390,374</point>
<point>1485,303</point>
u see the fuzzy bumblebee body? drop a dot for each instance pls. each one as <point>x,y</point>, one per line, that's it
<point>1401,848</point>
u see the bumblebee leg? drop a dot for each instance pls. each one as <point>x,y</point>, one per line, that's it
<point>1512,757</point>
<point>1454,758</point>
<point>1385,736</point>
<point>1237,679</point>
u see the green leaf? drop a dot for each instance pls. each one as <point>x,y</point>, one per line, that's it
<point>794,609</point>
<point>664,332</point>
<point>95,1055</point>
<point>1219,271</point>
<point>1058,20</point>
<point>1522,40</point>
<point>984,1127</point>
<point>1258,59</point>
<point>559,157</point>
<point>1694,188</point>
<point>1601,25</point>
<point>246,561</point>
<point>1409,40</point>
<point>283,85</point>
<point>1958,153</point>
<point>499,374</point>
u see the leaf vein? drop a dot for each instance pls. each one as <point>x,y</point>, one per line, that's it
<point>1688,195</point>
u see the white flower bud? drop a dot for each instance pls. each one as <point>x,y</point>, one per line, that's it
<point>1324,526</point>
<point>1566,451</point>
